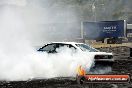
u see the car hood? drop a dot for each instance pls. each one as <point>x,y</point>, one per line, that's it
<point>100,53</point>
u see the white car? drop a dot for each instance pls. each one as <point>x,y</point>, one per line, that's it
<point>101,58</point>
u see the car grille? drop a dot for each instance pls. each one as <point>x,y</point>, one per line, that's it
<point>103,57</point>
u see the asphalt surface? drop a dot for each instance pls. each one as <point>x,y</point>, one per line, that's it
<point>123,64</point>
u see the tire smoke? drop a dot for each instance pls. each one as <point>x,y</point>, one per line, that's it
<point>19,60</point>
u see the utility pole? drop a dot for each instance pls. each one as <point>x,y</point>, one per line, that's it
<point>94,10</point>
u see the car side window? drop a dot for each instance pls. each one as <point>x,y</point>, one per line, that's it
<point>66,45</point>
<point>48,48</point>
<point>70,46</point>
<point>63,45</point>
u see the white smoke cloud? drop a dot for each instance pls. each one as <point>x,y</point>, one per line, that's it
<point>14,2</point>
<point>41,65</point>
<point>23,24</point>
<point>100,70</point>
<point>20,61</point>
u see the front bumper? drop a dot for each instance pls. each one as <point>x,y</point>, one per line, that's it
<point>104,62</point>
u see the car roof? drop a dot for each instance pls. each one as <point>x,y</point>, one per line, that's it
<point>68,42</point>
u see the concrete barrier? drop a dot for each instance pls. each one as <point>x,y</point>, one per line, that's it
<point>99,45</point>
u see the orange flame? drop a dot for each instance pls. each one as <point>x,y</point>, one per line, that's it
<point>81,71</point>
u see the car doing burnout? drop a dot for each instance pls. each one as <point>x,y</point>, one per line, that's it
<point>101,58</point>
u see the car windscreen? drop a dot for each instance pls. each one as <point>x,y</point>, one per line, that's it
<point>85,47</point>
